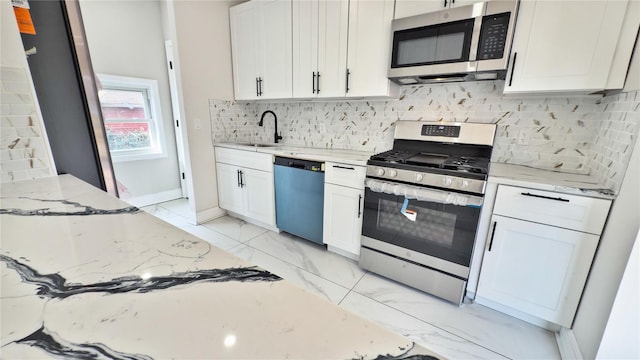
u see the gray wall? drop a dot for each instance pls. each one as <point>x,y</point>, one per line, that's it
<point>126,38</point>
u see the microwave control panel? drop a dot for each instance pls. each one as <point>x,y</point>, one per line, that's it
<point>493,36</point>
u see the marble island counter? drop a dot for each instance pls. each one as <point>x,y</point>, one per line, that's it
<point>84,275</point>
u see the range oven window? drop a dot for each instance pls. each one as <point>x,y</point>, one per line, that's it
<point>445,231</point>
<point>436,44</point>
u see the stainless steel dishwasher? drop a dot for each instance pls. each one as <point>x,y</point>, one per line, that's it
<point>299,187</point>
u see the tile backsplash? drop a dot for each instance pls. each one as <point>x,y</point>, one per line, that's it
<point>24,153</point>
<point>578,134</point>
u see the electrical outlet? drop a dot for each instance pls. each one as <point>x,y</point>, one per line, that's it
<point>197,124</point>
<point>523,137</point>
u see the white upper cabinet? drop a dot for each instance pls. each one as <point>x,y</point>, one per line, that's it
<point>320,48</point>
<point>406,8</point>
<point>369,47</point>
<point>564,46</point>
<point>261,49</point>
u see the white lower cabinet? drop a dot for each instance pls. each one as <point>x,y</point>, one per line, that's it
<point>536,269</point>
<point>343,208</point>
<point>538,254</point>
<point>244,190</point>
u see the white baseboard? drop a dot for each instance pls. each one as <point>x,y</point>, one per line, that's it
<point>567,344</point>
<point>155,198</point>
<point>344,253</point>
<point>209,214</point>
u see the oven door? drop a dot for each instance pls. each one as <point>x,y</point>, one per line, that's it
<point>430,227</point>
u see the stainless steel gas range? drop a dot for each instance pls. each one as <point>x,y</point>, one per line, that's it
<point>422,205</point>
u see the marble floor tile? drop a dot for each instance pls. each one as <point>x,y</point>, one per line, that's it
<point>236,229</point>
<point>158,211</point>
<point>178,206</point>
<point>423,333</point>
<point>210,236</point>
<point>310,257</point>
<point>301,278</point>
<point>486,327</point>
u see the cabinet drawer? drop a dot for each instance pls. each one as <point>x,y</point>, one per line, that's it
<point>546,207</point>
<point>345,175</point>
<point>246,159</point>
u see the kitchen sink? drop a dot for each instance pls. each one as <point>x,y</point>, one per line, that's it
<point>257,144</point>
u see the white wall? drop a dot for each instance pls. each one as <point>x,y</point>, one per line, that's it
<point>134,46</point>
<point>610,260</point>
<point>200,31</point>
<point>620,340</point>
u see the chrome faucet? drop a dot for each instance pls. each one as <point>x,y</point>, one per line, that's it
<point>275,119</point>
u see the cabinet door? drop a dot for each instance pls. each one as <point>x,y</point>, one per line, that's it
<point>274,32</point>
<point>536,269</point>
<point>259,196</point>
<point>368,53</point>
<point>229,190</point>
<point>332,47</point>
<point>406,8</point>
<point>564,46</point>
<point>244,49</point>
<point>342,226</point>
<point>305,48</point>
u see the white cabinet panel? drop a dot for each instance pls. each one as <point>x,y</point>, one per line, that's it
<point>564,46</point>
<point>369,46</point>
<point>342,224</point>
<point>568,211</point>
<point>244,50</point>
<point>305,47</point>
<point>259,197</point>
<point>229,190</point>
<point>345,174</point>
<point>245,184</point>
<point>332,47</point>
<point>261,49</point>
<point>405,8</point>
<point>537,269</point>
<point>274,19</point>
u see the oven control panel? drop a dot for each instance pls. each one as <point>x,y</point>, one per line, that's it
<point>441,130</point>
<point>427,179</point>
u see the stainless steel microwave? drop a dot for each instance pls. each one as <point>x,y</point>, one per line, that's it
<point>471,42</point>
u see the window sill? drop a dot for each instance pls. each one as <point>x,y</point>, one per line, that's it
<point>121,158</point>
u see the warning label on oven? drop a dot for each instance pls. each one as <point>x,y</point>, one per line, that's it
<point>408,213</point>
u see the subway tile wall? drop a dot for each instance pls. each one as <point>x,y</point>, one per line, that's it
<point>555,132</point>
<point>23,151</point>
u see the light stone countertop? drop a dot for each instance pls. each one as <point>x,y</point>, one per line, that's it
<point>351,157</point>
<point>86,275</point>
<point>525,176</point>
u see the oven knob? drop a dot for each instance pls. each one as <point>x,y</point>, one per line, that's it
<point>393,173</point>
<point>380,172</point>
<point>419,177</point>
<point>447,181</point>
<point>464,184</point>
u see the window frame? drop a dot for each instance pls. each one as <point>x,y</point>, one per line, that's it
<point>156,125</point>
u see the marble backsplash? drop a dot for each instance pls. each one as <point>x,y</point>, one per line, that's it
<point>23,149</point>
<point>578,134</point>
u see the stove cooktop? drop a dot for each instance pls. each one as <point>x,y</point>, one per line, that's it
<point>425,161</point>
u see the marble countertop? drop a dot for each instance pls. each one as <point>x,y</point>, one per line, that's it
<point>352,157</point>
<point>84,275</point>
<point>518,175</point>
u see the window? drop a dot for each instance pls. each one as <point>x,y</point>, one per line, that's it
<point>132,121</point>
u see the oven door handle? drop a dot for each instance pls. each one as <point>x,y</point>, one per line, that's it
<point>423,194</point>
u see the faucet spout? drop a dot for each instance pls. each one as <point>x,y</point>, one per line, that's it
<point>275,119</point>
